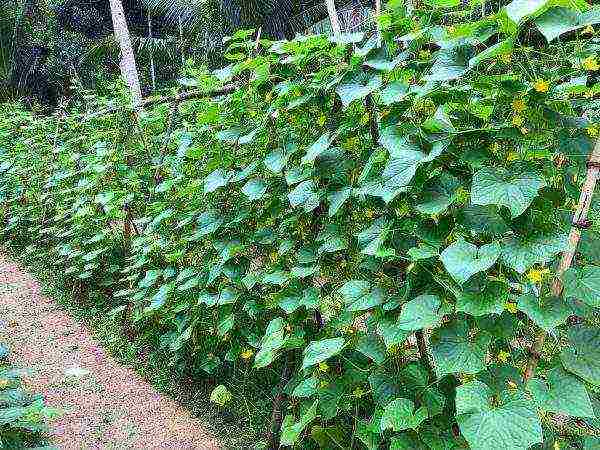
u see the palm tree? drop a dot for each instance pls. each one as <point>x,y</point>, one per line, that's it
<point>333,17</point>
<point>127,64</point>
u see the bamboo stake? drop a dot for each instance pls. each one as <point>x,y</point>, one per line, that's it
<point>580,222</point>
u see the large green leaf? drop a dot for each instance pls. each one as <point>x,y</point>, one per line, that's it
<point>305,195</point>
<point>372,347</point>
<point>319,351</point>
<point>510,424</point>
<point>421,312</point>
<point>315,150</point>
<point>359,295</point>
<point>582,357</point>
<point>522,254</point>
<point>462,259</point>
<point>489,300</point>
<point>557,21</point>
<point>583,284</point>
<point>254,189</point>
<point>455,351</point>
<point>546,314</point>
<point>514,189</point>
<point>400,414</point>
<point>216,179</point>
<point>358,88</point>
<point>272,342</point>
<point>291,430</point>
<point>562,393</point>
<point>372,239</point>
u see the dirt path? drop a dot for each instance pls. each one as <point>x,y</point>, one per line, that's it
<point>106,406</point>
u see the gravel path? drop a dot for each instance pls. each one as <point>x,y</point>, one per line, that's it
<point>106,406</point>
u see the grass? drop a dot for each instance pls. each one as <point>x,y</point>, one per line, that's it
<point>241,426</point>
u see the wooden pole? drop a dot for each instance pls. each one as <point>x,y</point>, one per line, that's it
<point>580,222</point>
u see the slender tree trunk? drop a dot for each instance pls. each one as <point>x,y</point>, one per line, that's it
<point>151,43</point>
<point>128,67</point>
<point>333,17</point>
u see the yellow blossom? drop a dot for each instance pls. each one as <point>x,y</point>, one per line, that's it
<point>321,120</point>
<point>524,130</point>
<point>537,275</point>
<point>511,307</point>
<point>4,383</point>
<point>358,392</point>
<point>511,385</point>
<point>451,29</point>
<point>517,121</point>
<point>588,30</point>
<point>323,384</point>
<point>370,214</point>
<point>512,156</point>
<point>506,58</point>
<point>323,367</point>
<point>247,354</point>
<point>590,63</point>
<point>424,54</point>
<point>503,356</point>
<point>269,96</point>
<point>541,85</point>
<point>519,105</point>
<point>592,130</point>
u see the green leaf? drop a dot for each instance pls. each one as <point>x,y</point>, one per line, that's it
<point>490,300</point>
<point>305,195</point>
<point>271,343</point>
<point>513,424</point>
<point>583,284</point>
<point>372,347</point>
<point>291,431</point>
<point>546,314</point>
<point>394,92</point>
<point>306,388</point>
<point>522,254</point>
<point>457,352</point>
<point>421,312</point>
<point>357,89</point>
<point>582,357</point>
<point>371,239</point>
<point>254,189</point>
<point>359,296</point>
<point>221,395</point>
<point>557,21</point>
<point>442,3</point>
<point>517,10</point>
<point>391,332</point>
<point>319,351</point>
<point>438,194</point>
<point>492,52</point>
<point>400,415</point>
<point>497,186</point>
<point>562,393</point>
<point>315,150</point>
<point>462,259</point>
<point>208,222</point>
<point>337,199</point>
<point>451,62</point>
<point>216,179</point>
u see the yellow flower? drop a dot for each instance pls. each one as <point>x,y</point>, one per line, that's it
<point>541,85</point>
<point>588,30</point>
<point>323,367</point>
<point>358,392</point>
<point>424,54</point>
<point>247,354</point>
<point>519,105</point>
<point>512,156</point>
<point>321,120</point>
<point>518,121</point>
<point>503,356</point>
<point>273,256</point>
<point>4,383</point>
<point>524,130</point>
<point>592,130</point>
<point>323,384</point>
<point>511,307</point>
<point>369,213</point>
<point>536,275</point>
<point>451,29</point>
<point>511,385</point>
<point>269,96</point>
<point>590,63</point>
<point>506,58</point>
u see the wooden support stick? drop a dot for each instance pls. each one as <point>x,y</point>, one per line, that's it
<point>580,222</point>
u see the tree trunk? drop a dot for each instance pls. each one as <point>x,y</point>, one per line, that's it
<point>333,17</point>
<point>128,67</point>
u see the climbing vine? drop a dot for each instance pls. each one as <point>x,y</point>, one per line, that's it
<point>375,228</point>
